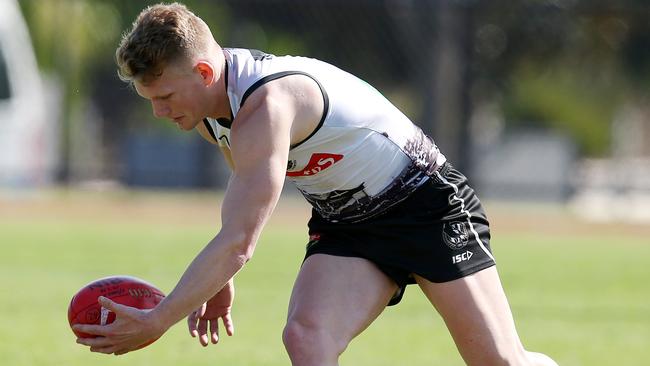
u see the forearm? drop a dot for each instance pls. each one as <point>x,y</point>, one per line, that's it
<point>245,209</point>
<point>208,273</point>
<point>253,191</point>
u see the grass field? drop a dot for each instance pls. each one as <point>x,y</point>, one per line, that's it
<point>580,292</point>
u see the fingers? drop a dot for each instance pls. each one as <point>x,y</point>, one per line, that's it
<point>101,345</point>
<point>99,330</point>
<point>106,350</point>
<point>98,342</point>
<point>214,331</point>
<point>203,331</point>
<point>191,324</point>
<point>198,326</point>
<point>228,324</point>
<point>113,306</point>
<point>129,330</point>
<point>201,311</point>
<point>103,330</point>
<point>193,319</point>
<point>214,328</point>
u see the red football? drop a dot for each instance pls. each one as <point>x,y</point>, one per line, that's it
<point>126,290</point>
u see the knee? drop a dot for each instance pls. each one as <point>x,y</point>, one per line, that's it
<point>294,336</point>
<point>305,340</point>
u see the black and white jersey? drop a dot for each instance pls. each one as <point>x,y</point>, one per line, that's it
<point>364,156</point>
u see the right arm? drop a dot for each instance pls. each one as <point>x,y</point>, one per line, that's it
<point>204,321</point>
<point>261,138</point>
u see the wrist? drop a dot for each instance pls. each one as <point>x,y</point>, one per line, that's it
<point>160,319</point>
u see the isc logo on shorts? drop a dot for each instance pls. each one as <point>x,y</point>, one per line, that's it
<point>461,257</point>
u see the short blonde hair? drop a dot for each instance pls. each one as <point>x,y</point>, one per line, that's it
<point>161,35</point>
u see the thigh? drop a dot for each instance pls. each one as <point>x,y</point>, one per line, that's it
<point>339,295</point>
<point>477,314</point>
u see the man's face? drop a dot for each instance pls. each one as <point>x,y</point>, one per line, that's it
<point>176,95</point>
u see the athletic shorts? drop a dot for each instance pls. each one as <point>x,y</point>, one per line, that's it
<point>440,233</point>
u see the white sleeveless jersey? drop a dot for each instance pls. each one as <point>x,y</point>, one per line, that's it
<point>364,156</point>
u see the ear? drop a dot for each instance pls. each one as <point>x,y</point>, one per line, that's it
<point>206,71</point>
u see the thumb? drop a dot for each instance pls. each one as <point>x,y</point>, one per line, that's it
<point>201,311</point>
<point>112,305</point>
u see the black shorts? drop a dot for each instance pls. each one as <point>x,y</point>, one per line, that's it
<point>440,233</point>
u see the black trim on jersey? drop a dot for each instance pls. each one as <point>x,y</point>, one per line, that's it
<point>232,116</point>
<point>259,55</point>
<point>224,122</point>
<point>225,138</point>
<point>282,74</point>
<point>209,128</point>
<point>326,107</point>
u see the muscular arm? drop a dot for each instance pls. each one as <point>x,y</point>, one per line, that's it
<point>261,135</point>
<point>260,138</point>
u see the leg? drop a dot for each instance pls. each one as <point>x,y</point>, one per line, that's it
<point>479,319</point>
<point>333,300</point>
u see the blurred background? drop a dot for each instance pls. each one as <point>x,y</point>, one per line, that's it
<point>543,100</point>
<point>544,104</point>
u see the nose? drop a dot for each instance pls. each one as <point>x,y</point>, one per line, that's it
<point>160,109</point>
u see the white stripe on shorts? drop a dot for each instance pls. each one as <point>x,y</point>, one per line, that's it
<point>469,215</point>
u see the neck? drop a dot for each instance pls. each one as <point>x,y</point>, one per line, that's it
<point>220,96</point>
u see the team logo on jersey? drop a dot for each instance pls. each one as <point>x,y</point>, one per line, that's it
<point>291,164</point>
<point>317,163</point>
<point>455,234</point>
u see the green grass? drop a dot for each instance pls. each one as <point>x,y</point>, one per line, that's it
<point>584,300</point>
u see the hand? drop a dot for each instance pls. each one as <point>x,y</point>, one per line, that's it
<point>218,306</point>
<point>131,329</point>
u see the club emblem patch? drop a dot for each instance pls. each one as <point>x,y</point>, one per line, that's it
<point>291,164</point>
<point>455,234</point>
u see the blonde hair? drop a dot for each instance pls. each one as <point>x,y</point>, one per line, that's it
<point>161,35</point>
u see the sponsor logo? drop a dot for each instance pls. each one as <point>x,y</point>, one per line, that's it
<point>455,234</point>
<point>462,257</point>
<point>92,315</point>
<point>317,163</point>
<point>313,239</point>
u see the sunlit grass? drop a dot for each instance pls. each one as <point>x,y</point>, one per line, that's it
<point>583,299</point>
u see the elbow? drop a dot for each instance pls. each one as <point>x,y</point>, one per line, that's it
<point>242,249</point>
<point>244,253</point>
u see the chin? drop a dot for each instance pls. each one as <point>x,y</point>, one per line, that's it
<point>188,127</point>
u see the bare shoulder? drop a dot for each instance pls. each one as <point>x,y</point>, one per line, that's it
<point>300,99</point>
